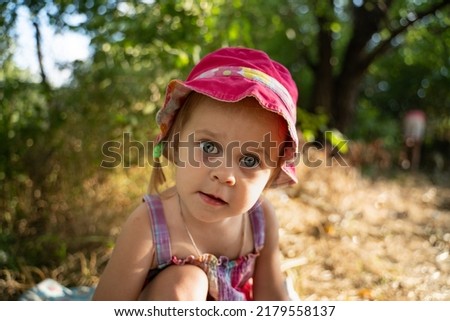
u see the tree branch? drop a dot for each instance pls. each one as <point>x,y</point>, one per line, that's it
<point>386,44</point>
<point>39,54</point>
<point>366,21</point>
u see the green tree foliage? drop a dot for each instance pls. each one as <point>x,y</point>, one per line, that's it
<point>366,61</point>
<point>414,76</point>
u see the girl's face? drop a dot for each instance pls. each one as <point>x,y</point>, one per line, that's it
<point>227,154</point>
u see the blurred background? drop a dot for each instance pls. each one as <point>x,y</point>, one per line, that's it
<point>80,84</point>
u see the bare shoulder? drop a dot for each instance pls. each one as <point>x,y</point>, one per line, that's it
<point>131,259</point>
<point>136,235</point>
<point>139,217</point>
<point>136,226</point>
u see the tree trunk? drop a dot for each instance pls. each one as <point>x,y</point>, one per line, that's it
<point>366,22</point>
<point>346,90</point>
<point>38,39</point>
<point>323,71</point>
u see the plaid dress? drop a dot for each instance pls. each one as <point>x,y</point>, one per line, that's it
<point>229,280</point>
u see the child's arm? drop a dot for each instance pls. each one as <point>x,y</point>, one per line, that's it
<point>268,279</point>
<point>131,260</point>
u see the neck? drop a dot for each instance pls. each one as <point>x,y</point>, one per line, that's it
<point>196,233</point>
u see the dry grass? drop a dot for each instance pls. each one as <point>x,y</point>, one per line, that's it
<point>350,238</point>
<point>343,236</point>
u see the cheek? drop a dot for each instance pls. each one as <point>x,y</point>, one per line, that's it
<point>185,179</point>
<point>257,183</point>
<point>257,177</point>
<point>253,193</point>
<point>266,179</point>
<point>189,170</point>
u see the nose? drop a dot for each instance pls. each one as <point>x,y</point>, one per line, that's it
<point>224,175</point>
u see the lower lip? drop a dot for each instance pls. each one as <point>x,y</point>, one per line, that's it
<point>210,200</point>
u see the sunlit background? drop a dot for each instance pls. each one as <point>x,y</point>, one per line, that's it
<point>77,75</point>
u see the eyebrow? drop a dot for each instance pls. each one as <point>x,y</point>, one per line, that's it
<point>205,132</point>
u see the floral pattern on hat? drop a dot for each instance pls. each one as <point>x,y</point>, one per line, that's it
<point>255,75</point>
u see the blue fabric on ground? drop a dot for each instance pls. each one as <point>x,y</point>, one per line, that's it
<point>51,290</point>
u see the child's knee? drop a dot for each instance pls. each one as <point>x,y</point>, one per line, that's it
<point>184,283</point>
<point>190,277</point>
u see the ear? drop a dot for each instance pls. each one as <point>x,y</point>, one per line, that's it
<point>288,154</point>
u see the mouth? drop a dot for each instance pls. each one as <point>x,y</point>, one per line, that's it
<point>211,199</point>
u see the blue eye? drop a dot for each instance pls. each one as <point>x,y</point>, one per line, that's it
<point>250,161</point>
<point>209,147</point>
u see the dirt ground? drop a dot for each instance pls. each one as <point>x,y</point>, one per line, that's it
<point>347,237</point>
<point>343,236</point>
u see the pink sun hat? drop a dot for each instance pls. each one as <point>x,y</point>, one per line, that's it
<point>231,74</point>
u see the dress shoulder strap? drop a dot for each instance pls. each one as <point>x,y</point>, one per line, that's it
<point>161,237</point>
<point>256,215</point>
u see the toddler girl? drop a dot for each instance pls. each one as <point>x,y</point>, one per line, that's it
<point>229,130</point>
